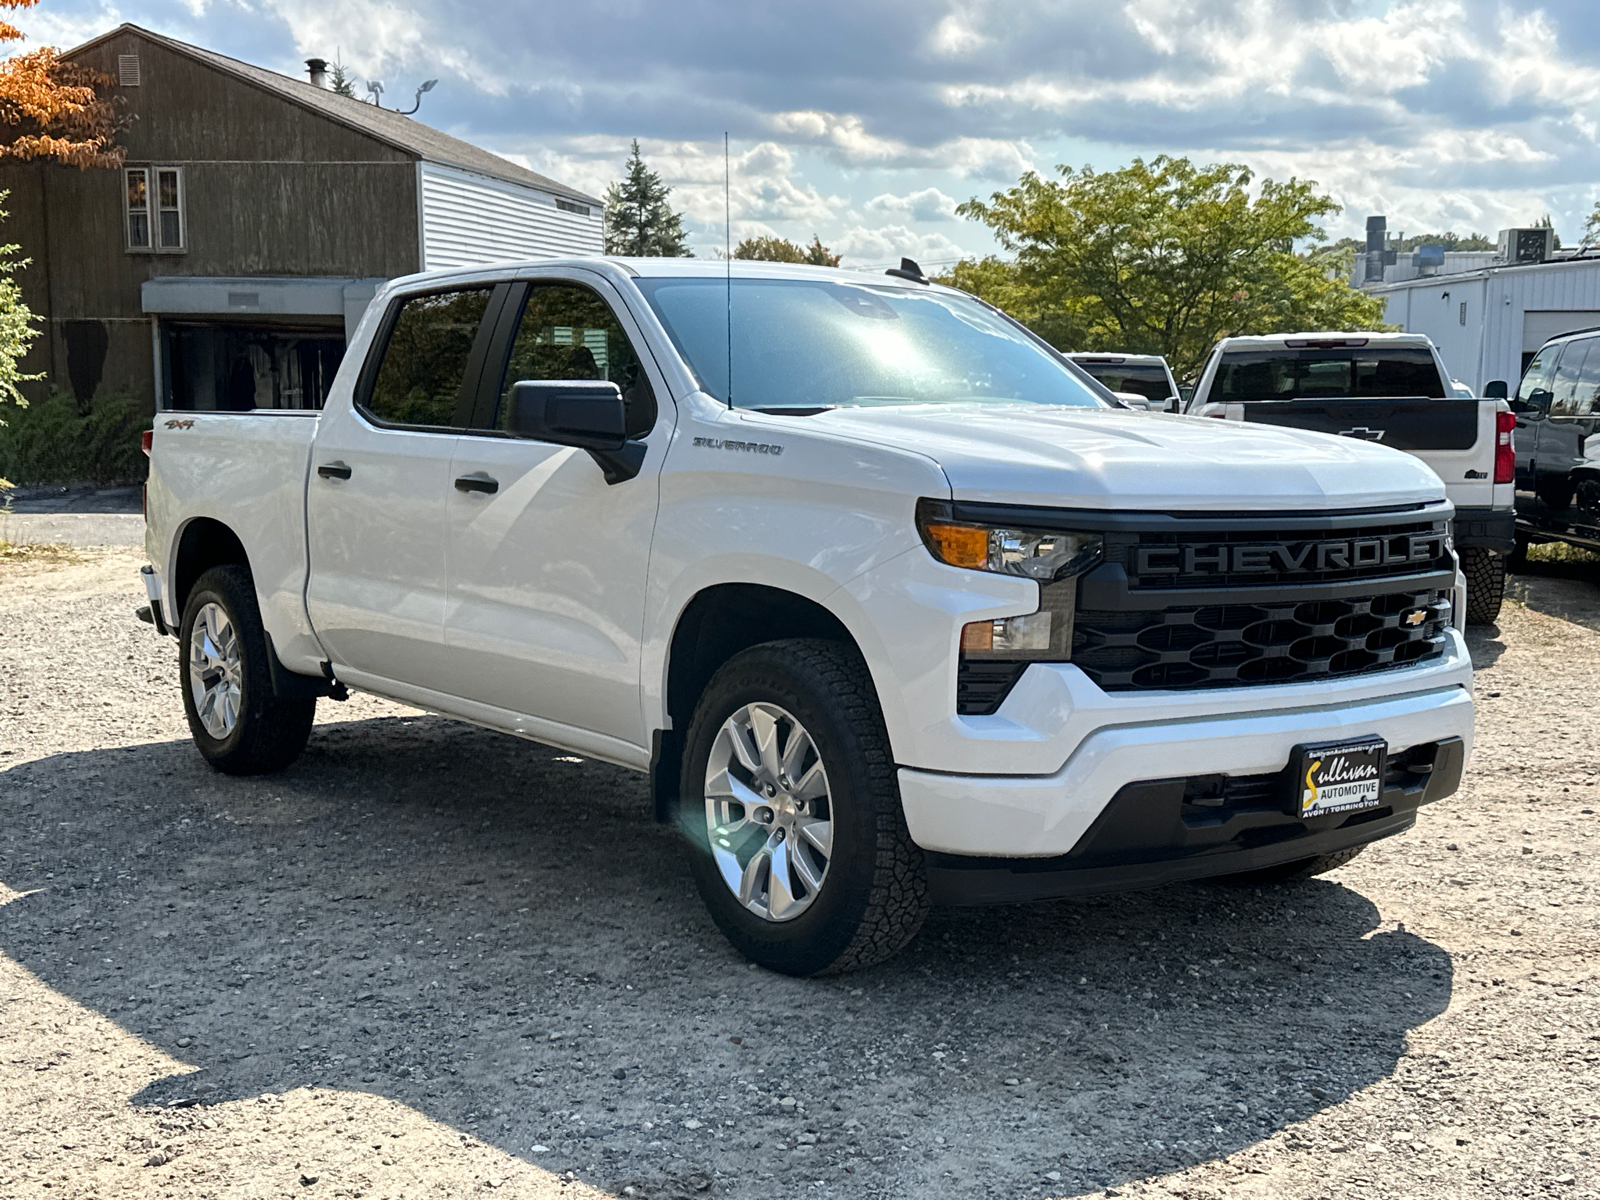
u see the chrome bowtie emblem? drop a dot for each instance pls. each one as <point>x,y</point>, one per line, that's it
<point>1365,434</point>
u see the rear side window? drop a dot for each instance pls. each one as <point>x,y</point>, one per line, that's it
<point>1564,402</point>
<point>1587,401</point>
<point>1358,373</point>
<point>424,366</point>
<point>569,332</point>
<point>1139,379</point>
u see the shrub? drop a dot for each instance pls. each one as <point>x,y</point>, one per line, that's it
<point>51,442</point>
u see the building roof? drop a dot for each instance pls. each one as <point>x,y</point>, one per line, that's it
<point>386,125</point>
<point>1575,261</point>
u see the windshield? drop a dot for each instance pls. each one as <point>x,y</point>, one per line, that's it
<point>803,344</point>
<point>1139,379</point>
<point>1290,374</point>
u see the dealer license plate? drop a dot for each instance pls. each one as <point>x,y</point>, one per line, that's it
<point>1337,777</point>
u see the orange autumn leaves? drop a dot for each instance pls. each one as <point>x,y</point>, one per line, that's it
<point>50,109</point>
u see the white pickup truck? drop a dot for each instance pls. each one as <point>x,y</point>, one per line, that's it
<point>1391,388</point>
<point>892,604</point>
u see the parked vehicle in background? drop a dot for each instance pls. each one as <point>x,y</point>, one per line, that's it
<point>1557,411</point>
<point>889,601</point>
<point>1390,388</point>
<point>1141,380</point>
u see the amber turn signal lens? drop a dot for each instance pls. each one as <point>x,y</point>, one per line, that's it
<point>977,636</point>
<point>960,545</point>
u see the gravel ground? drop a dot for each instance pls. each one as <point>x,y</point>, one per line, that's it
<point>430,960</point>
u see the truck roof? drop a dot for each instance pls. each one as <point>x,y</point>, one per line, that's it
<point>1273,341</point>
<point>1111,356</point>
<point>677,268</point>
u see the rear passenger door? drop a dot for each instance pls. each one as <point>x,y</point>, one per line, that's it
<point>380,482</point>
<point>546,561</point>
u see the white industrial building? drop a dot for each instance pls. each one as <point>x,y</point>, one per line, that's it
<point>1487,312</point>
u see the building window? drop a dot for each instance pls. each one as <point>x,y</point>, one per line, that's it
<point>568,206</point>
<point>153,201</point>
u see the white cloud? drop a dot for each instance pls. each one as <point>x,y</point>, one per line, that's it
<point>887,244</point>
<point>930,204</point>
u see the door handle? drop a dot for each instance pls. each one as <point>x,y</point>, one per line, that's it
<point>334,470</point>
<point>478,481</point>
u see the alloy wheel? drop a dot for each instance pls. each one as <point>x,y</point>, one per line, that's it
<point>215,670</point>
<point>769,812</point>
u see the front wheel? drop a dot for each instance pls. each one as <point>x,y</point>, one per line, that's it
<point>1486,584</point>
<point>792,812</point>
<point>239,723</point>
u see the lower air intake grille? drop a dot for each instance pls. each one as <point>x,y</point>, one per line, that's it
<point>1227,645</point>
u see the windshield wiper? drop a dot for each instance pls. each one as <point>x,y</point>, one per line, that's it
<point>787,411</point>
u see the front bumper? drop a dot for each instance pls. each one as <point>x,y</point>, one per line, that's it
<point>1046,816</point>
<point>1492,528</point>
<point>1162,831</point>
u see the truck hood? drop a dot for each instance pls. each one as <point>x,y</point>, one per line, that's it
<point>1111,458</point>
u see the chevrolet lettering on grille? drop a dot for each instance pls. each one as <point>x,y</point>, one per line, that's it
<point>1265,558</point>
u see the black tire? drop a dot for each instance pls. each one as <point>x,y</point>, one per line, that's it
<point>1288,872</point>
<point>1486,584</point>
<point>874,895</point>
<point>268,732</point>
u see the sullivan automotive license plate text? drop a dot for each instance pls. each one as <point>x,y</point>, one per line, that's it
<point>1339,776</point>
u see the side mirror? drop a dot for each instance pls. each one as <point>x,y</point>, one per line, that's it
<point>1495,389</point>
<point>1185,394</point>
<point>569,412</point>
<point>586,413</point>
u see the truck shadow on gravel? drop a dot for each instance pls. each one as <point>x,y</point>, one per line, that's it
<point>1568,589</point>
<point>496,935</point>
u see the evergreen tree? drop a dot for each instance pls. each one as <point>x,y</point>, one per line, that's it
<point>639,222</point>
<point>340,81</point>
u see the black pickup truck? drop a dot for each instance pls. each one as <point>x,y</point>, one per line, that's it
<point>1557,411</point>
<point>1390,388</point>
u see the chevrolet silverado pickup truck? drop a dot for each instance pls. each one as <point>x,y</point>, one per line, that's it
<point>1391,388</point>
<point>892,604</point>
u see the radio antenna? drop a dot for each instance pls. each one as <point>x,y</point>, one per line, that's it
<point>727,254</point>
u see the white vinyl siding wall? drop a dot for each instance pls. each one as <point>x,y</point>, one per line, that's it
<point>469,219</point>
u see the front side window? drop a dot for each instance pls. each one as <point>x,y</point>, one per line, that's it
<point>153,205</point>
<point>1291,373</point>
<point>424,367</point>
<point>803,344</point>
<point>1539,376</point>
<point>569,332</point>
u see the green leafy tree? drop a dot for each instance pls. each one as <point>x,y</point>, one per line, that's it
<point>16,323</point>
<point>1450,240</point>
<point>1591,227</point>
<point>777,249</point>
<point>639,222</point>
<point>1163,258</point>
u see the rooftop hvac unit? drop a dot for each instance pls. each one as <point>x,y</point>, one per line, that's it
<point>1531,245</point>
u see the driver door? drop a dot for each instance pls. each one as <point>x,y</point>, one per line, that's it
<point>546,562</point>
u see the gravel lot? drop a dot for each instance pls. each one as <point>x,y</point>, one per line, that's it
<point>430,960</point>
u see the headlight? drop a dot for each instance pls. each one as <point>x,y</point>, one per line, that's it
<point>1042,554</point>
<point>994,653</point>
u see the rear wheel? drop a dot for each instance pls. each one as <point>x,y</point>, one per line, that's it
<point>239,723</point>
<point>1304,868</point>
<point>1486,584</point>
<point>791,808</point>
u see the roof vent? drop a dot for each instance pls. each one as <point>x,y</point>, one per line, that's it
<point>317,68</point>
<point>128,70</point>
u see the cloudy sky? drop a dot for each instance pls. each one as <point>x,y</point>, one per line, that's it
<point>866,121</point>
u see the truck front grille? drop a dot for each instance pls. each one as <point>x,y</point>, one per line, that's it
<point>1230,645</point>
